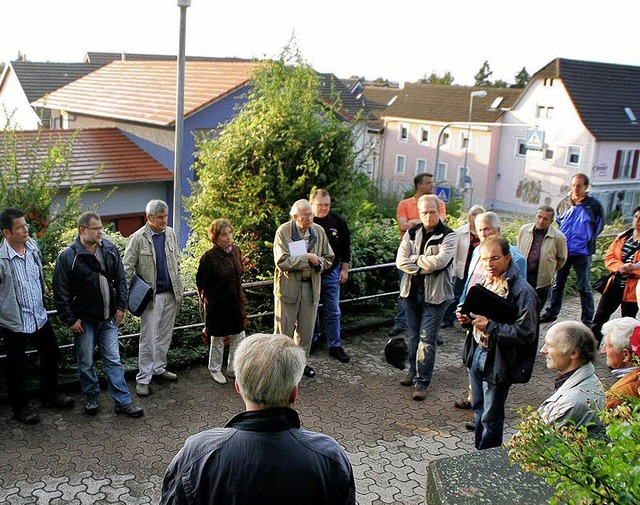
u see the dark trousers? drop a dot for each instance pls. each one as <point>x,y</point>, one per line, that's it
<point>609,302</point>
<point>15,343</point>
<point>543,294</point>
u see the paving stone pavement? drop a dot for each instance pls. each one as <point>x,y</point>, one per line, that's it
<point>72,458</point>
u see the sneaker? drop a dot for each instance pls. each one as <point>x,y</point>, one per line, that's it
<point>419,393</point>
<point>219,377</point>
<point>339,354</point>
<point>142,389</point>
<point>395,331</point>
<point>131,409</point>
<point>27,415</point>
<point>91,405</point>
<point>462,404</point>
<point>308,371</point>
<point>407,381</point>
<point>59,400</point>
<point>167,376</point>
<point>547,318</point>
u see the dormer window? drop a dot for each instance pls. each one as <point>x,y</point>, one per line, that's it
<point>632,117</point>
<point>548,81</point>
<point>496,103</point>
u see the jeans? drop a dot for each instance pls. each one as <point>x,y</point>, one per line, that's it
<point>609,302</point>
<point>330,300</point>
<point>582,266</point>
<point>16,344</point>
<point>105,336</point>
<point>400,319</point>
<point>450,313</point>
<point>488,404</point>
<point>424,325</point>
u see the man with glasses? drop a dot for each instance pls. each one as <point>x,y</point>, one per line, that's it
<point>154,255</point>
<point>90,295</point>
<point>499,354</point>
<point>23,318</point>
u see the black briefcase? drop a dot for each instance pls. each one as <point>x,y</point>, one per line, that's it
<point>484,302</point>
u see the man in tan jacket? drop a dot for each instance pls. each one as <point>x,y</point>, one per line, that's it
<point>301,252</point>
<point>545,248</point>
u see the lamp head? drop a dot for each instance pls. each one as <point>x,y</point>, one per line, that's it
<point>478,94</point>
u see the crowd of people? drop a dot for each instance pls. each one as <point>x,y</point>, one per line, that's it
<point>469,276</point>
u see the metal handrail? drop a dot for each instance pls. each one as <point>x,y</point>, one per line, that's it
<point>247,285</point>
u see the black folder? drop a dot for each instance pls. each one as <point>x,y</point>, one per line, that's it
<point>484,302</point>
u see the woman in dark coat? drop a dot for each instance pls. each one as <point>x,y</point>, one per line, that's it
<point>219,282</point>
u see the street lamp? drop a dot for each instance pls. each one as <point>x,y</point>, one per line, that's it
<point>177,160</point>
<point>474,94</point>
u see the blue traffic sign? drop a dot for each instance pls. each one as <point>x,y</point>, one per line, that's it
<point>443,193</point>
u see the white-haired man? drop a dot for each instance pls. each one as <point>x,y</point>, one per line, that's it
<point>570,348</point>
<point>301,252</point>
<point>262,455</point>
<point>153,253</point>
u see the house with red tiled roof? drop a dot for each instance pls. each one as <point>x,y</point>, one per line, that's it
<point>423,115</point>
<point>106,159</point>
<point>583,117</point>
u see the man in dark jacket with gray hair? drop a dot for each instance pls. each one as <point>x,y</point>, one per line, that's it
<point>90,294</point>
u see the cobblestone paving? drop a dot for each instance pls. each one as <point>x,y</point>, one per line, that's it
<point>71,458</point>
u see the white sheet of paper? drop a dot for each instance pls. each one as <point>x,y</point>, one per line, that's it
<point>297,248</point>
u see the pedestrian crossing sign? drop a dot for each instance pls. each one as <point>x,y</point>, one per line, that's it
<point>443,193</point>
<point>535,139</point>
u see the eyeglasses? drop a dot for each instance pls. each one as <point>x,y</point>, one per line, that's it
<point>95,228</point>
<point>492,259</point>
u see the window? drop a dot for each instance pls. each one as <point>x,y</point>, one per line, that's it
<point>548,81</point>
<point>445,140</point>
<point>400,163</point>
<point>573,156</point>
<point>464,175</point>
<point>545,112</point>
<point>421,166</point>
<point>424,135</point>
<point>521,147</point>
<point>441,172</point>
<point>403,133</point>
<point>626,165</point>
<point>464,139</point>
<point>548,154</point>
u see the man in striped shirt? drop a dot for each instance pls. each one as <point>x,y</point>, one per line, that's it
<point>23,318</point>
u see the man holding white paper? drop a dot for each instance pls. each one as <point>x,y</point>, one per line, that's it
<point>301,252</point>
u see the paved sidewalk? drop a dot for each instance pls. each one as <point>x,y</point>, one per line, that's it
<point>390,439</point>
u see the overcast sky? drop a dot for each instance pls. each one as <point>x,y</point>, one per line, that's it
<point>400,41</point>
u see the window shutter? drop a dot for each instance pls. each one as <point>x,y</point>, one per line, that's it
<point>616,167</point>
<point>634,167</point>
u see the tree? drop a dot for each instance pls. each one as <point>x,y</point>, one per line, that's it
<point>434,78</point>
<point>521,79</point>
<point>285,141</point>
<point>483,75</point>
<point>500,84</point>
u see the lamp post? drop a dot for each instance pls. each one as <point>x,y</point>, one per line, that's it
<point>177,160</point>
<point>474,94</point>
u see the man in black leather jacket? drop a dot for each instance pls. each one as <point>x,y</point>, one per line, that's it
<point>262,455</point>
<point>90,294</point>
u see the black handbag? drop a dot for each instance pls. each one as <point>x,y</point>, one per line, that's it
<point>601,284</point>
<point>140,294</point>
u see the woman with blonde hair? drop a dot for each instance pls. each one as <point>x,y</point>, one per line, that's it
<point>219,283</point>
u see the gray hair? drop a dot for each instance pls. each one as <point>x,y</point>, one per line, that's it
<point>576,337</point>
<point>491,218</point>
<point>86,217</point>
<point>295,208</point>
<point>475,210</point>
<point>155,206</point>
<point>619,332</point>
<point>267,368</point>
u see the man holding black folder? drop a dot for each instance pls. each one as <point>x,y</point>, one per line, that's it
<point>498,352</point>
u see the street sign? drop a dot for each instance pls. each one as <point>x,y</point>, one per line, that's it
<point>443,193</point>
<point>535,139</point>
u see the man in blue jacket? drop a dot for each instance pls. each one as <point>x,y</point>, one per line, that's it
<point>581,223</point>
<point>90,294</point>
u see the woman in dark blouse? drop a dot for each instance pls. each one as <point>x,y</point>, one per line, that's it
<point>219,282</point>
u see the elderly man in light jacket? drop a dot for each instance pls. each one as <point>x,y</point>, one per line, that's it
<point>301,251</point>
<point>154,254</point>
<point>570,348</point>
<point>426,258</point>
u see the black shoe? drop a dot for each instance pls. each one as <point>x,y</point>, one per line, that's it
<point>308,371</point>
<point>338,353</point>
<point>446,324</point>
<point>91,405</point>
<point>314,347</point>
<point>547,318</point>
<point>470,426</point>
<point>27,415</point>
<point>462,404</point>
<point>419,393</point>
<point>407,381</point>
<point>59,400</point>
<point>440,341</point>
<point>131,409</point>
<point>395,331</point>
